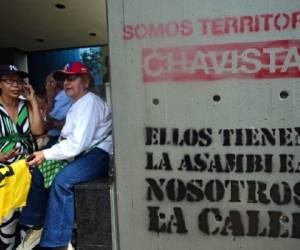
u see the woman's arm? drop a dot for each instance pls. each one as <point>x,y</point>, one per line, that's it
<point>35,118</point>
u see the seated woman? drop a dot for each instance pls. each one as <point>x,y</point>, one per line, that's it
<point>86,137</point>
<point>19,118</point>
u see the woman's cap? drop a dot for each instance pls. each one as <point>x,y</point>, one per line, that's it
<point>9,69</point>
<point>73,68</point>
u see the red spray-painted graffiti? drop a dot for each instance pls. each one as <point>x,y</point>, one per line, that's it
<point>255,60</point>
<point>229,25</point>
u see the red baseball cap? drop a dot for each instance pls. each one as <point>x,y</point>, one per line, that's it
<point>73,68</point>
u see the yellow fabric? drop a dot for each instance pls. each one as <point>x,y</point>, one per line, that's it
<point>14,186</point>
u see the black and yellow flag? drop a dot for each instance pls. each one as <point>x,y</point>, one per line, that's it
<point>14,187</point>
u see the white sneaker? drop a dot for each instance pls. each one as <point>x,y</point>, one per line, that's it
<point>31,239</point>
<point>70,247</point>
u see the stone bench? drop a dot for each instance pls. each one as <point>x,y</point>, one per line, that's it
<point>93,215</point>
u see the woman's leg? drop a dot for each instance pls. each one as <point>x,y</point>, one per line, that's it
<point>60,210</point>
<point>8,230</point>
<point>34,211</point>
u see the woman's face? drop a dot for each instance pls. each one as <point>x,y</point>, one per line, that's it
<point>75,86</point>
<point>11,85</point>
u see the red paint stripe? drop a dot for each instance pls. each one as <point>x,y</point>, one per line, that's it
<point>180,64</point>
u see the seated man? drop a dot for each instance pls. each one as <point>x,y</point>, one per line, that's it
<point>86,138</point>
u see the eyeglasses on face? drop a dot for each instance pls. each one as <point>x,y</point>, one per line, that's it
<point>71,77</point>
<point>12,81</point>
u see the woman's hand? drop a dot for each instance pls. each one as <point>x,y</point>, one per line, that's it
<point>35,159</point>
<point>11,154</point>
<point>29,92</point>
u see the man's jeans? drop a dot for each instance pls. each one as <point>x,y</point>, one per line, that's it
<point>54,208</point>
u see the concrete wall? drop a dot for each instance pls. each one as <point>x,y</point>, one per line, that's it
<point>206,107</point>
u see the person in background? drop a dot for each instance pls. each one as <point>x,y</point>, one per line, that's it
<point>85,137</point>
<point>57,106</point>
<point>42,140</point>
<point>19,119</point>
<point>42,101</point>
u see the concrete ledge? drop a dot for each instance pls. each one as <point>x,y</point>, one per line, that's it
<point>93,215</point>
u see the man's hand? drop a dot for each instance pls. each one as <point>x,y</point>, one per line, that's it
<point>35,159</point>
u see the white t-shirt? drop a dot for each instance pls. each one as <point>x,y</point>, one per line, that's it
<point>88,122</point>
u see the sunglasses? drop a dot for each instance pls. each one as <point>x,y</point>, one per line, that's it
<point>71,77</point>
<point>12,81</point>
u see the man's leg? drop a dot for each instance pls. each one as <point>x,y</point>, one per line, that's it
<point>60,210</point>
